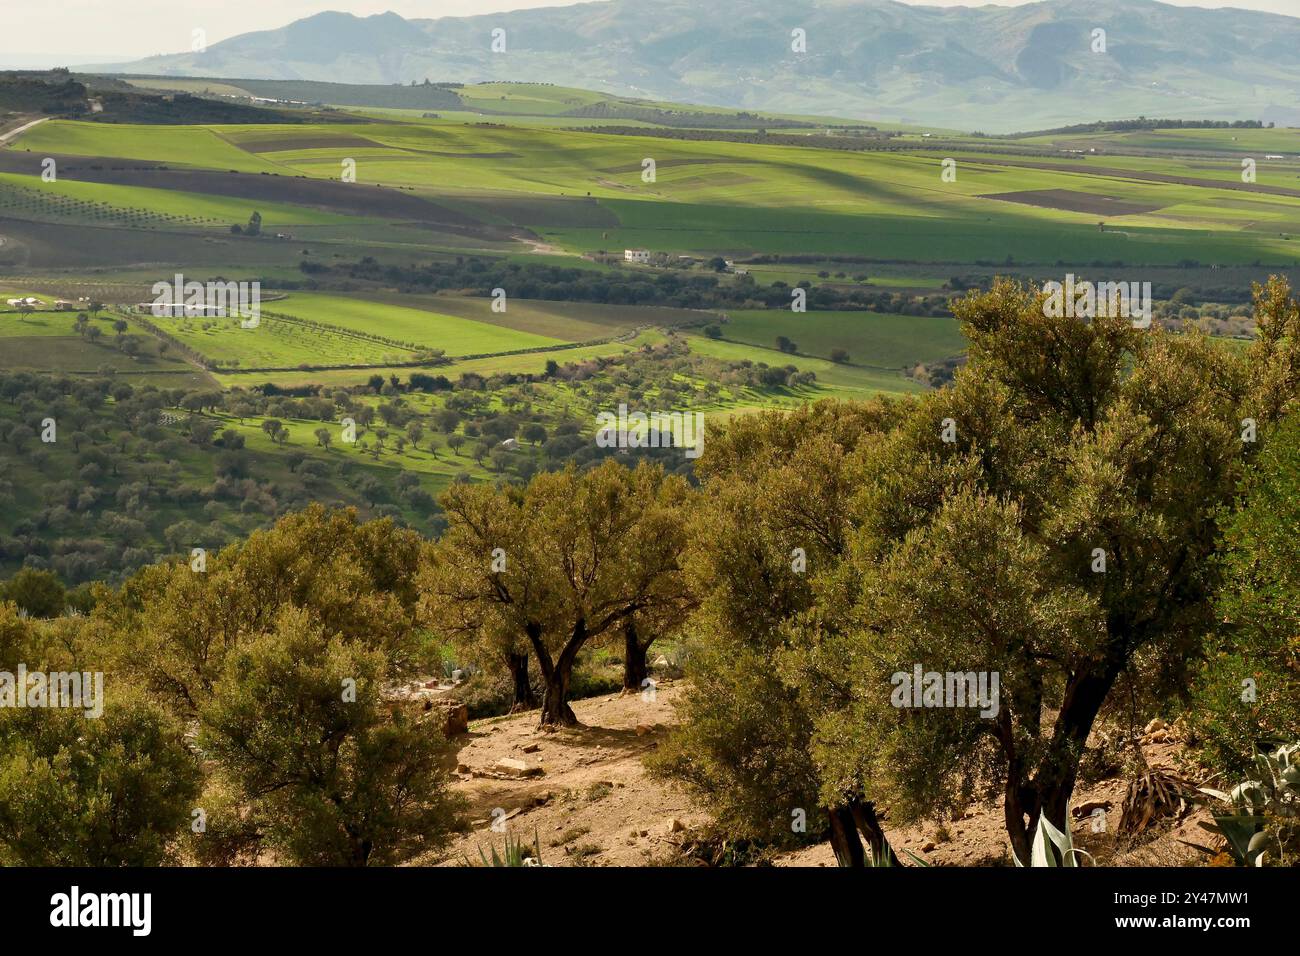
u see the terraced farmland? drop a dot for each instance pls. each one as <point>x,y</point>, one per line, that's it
<point>277,343</point>
<point>418,327</point>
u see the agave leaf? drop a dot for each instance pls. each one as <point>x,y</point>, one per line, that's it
<point>881,859</point>
<point>920,862</point>
<point>1259,846</point>
<point>1040,855</point>
<point>1238,830</point>
<point>1200,846</point>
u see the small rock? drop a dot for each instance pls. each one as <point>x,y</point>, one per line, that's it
<point>675,825</point>
<point>927,847</point>
<point>455,717</point>
<point>532,748</point>
<point>643,729</point>
<point>516,768</point>
<point>1156,724</point>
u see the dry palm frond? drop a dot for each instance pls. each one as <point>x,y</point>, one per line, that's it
<point>1154,793</point>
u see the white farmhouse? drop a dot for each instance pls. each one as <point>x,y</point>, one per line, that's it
<point>636,255</point>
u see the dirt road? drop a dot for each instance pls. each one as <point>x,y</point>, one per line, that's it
<point>7,138</point>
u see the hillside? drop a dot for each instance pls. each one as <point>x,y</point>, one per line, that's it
<point>592,802</point>
<point>107,100</point>
<point>1009,67</point>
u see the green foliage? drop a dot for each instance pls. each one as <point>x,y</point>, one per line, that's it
<point>78,791</point>
<point>331,776</point>
<point>1262,823</point>
<point>1247,698</point>
<point>353,580</point>
<point>39,593</point>
<point>1050,519</point>
<point>278,650</point>
<point>1068,444</point>
<point>772,483</point>
<point>1051,847</point>
<point>565,561</point>
<point>16,637</point>
<point>515,852</point>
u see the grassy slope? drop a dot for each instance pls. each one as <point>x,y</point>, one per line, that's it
<point>711,196</point>
<point>871,339</point>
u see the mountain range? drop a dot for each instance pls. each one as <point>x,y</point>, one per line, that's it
<point>997,69</point>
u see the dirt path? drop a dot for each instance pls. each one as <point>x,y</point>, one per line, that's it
<point>592,802</point>
<point>7,138</point>
<point>539,247</point>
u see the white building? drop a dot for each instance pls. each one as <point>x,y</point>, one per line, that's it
<point>636,255</point>
<point>181,310</point>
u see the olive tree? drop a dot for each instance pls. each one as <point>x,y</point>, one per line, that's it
<point>768,546</point>
<point>560,563</point>
<point>331,774</point>
<point>1052,519</point>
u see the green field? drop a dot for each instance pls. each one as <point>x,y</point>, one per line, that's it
<point>872,340</point>
<point>455,335</point>
<point>145,208</point>
<point>735,198</point>
<point>843,381</point>
<point>539,190</point>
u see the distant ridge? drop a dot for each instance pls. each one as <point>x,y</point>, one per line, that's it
<point>1005,68</point>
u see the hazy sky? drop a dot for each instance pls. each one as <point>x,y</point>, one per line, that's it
<point>134,28</point>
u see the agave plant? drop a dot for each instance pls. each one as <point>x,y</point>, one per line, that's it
<point>1046,836</point>
<point>883,855</point>
<point>515,853</point>
<point>449,667</point>
<point>1263,819</point>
